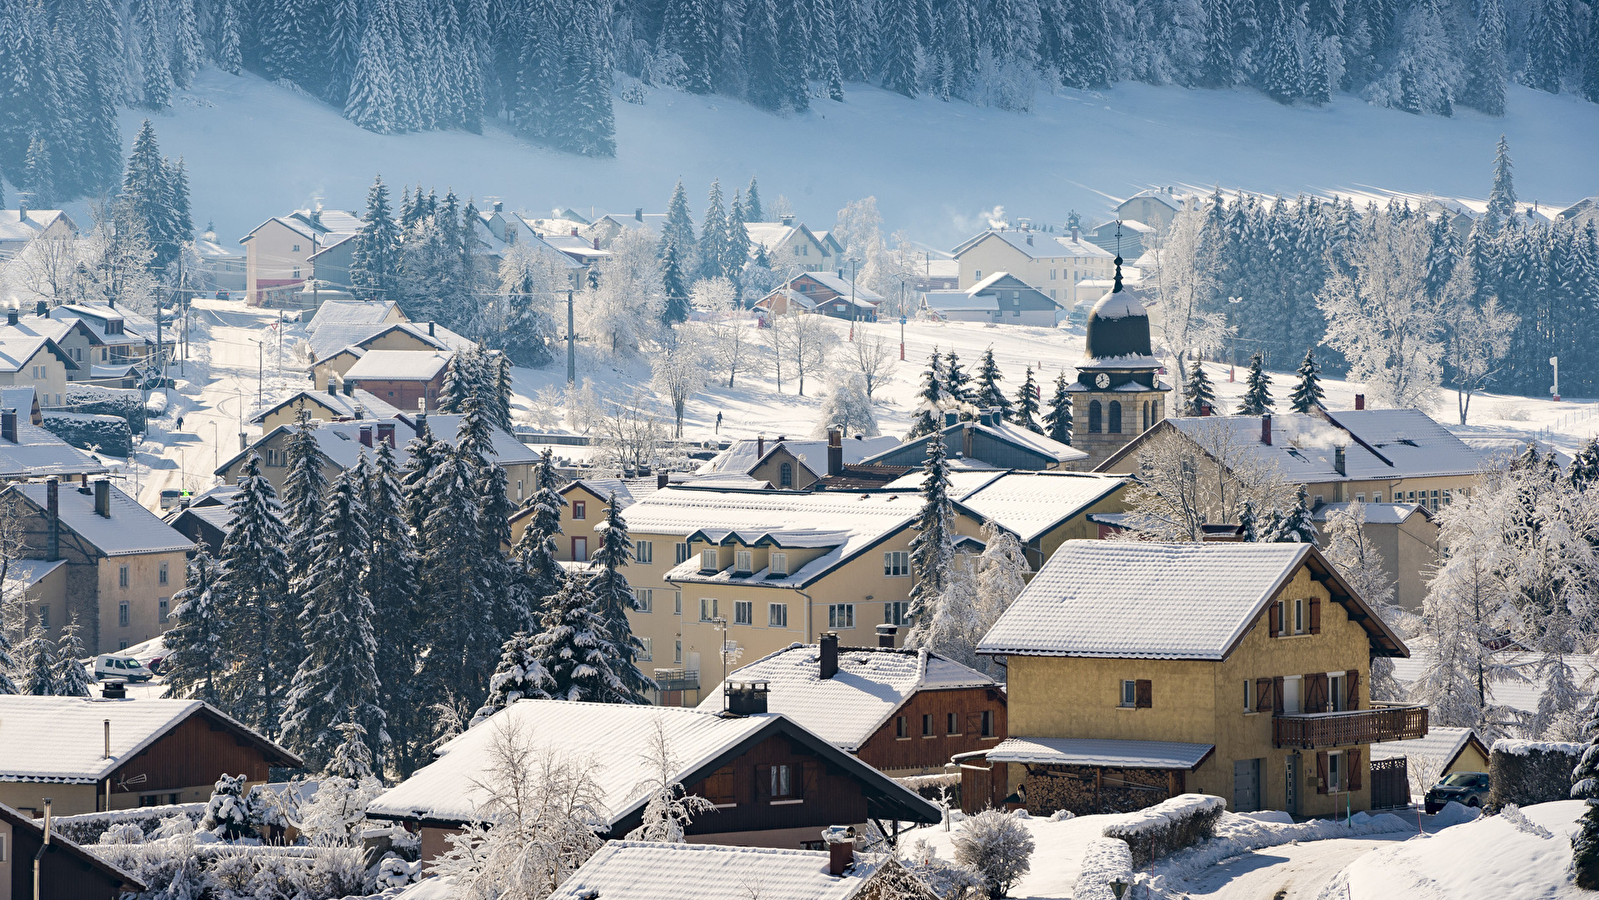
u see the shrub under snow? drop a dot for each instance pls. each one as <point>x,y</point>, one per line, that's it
<point>997,846</point>
<point>1104,860</point>
<point>1528,772</point>
<point>1168,826</point>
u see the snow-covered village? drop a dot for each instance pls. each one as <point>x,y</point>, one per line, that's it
<point>799,450</point>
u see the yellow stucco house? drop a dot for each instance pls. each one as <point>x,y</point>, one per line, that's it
<point>1141,670</point>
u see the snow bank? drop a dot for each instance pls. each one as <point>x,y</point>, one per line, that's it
<point>1527,772</point>
<point>1168,826</point>
<point>1488,859</point>
<point>1455,814</point>
<point>1104,861</point>
<point>1238,834</point>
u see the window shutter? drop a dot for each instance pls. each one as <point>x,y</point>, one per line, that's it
<point>1277,695</point>
<point>1265,701</point>
<point>763,783</point>
<point>1352,689</point>
<point>1274,619</point>
<point>1352,759</point>
<point>1321,772</point>
<point>1143,694</point>
<point>810,782</point>
<point>1315,685</point>
<point>1315,616</point>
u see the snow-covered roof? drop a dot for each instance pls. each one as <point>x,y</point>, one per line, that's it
<point>18,345</point>
<point>399,365</point>
<point>842,286</point>
<point>32,571</point>
<point>630,870</point>
<point>850,707</point>
<point>1410,440</point>
<point>211,250</point>
<point>1032,440</point>
<point>130,528</point>
<point>340,442</point>
<point>351,312</point>
<point>87,860</point>
<point>336,336</point>
<point>1029,504</point>
<point>741,457</point>
<point>619,737</point>
<point>16,227</point>
<point>1149,600</point>
<point>1119,305</point>
<point>38,453</point>
<point>95,318</point>
<point>770,235</point>
<point>1095,752</point>
<point>340,404</point>
<point>1376,513</point>
<point>1442,744</point>
<point>1523,695</point>
<point>62,739</point>
<point>1040,245</point>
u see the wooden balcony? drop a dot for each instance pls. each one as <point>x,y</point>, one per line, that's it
<point>1311,731</point>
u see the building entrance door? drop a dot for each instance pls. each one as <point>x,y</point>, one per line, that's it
<point>1291,796</point>
<point>1246,785</point>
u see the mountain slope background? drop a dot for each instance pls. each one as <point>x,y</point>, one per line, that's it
<point>938,169</point>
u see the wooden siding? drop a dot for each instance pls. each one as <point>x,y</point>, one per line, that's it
<point>887,751</point>
<point>65,875</point>
<point>827,795</point>
<point>197,752</point>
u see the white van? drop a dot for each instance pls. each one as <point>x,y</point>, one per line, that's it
<point>127,668</point>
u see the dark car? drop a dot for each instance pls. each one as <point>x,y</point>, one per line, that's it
<point>1465,788</point>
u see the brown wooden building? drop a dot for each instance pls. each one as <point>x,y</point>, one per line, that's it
<point>773,783</point>
<point>906,712</point>
<point>66,871</point>
<point>84,753</point>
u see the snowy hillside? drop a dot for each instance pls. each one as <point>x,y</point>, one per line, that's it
<point>254,149</point>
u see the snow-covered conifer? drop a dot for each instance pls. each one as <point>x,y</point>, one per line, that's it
<point>989,394</point>
<point>614,597</point>
<point>1294,527</point>
<point>933,548</point>
<point>1484,89</point>
<point>196,656</point>
<point>1198,395</point>
<point>1257,396</point>
<point>1585,787</point>
<point>752,203</point>
<point>897,45</point>
<point>1025,412</point>
<point>72,679</point>
<point>716,259</point>
<point>39,665</point>
<point>677,251</point>
<point>930,400</point>
<point>375,261</point>
<point>958,384</point>
<point>1307,393</point>
<point>1248,523</point>
<point>375,99</point>
<point>519,675</point>
<point>1058,421</point>
<point>1502,196</point>
<point>253,584</point>
<point>573,646</point>
<point>458,598</point>
<point>535,552</point>
<point>392,584</point>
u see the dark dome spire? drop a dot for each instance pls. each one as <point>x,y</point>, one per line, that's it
<point>1118,327</point>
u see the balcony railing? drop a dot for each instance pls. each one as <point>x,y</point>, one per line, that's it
<point>677,679</point>
<point>1308,731</point>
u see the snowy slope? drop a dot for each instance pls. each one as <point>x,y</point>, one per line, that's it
<point>254,150</point>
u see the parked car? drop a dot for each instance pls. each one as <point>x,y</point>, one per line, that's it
<point>1465,788</point>
<point>170,498</point>
<point>107,665</point>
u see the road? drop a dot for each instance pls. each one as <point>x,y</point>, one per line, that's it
<point>1288,872</point>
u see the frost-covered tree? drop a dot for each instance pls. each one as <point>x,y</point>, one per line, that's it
<point>958,384</point>
<point>519,675</point>
<point>1502,197</point>
<point>931,399</point>
<point>989,394</point>
<point>1186,480</point>
<point>1484,89</point>
<point>1025,412</point>
<point>1198,395</point>
<point>1307,393</point>
<point>933,548</point>
<point>1585,787</point>
<point>574,647</point>
<point>1058,421</point>
<point>195,652</point>
<point>535,552</point>
<point>72,679</point>
<point>804,343</point>
<point>847,407</point>
<point>626,307</point>
<point>729,342</point>
<point>680,368</point>
<point>335,814</point>
<point>251,592</point>
<point>303,490</point>
<point>670,808</point>
<point>375,261</point>
<point>1478,336</point>
<point>392,584</point>
<point>39,665</point>
<point>997,846</point>
<point>1358,560</point>
<point>873,358</point>
<point>1257,396</point>
<point>614,598</point>
<point>1295,526</point>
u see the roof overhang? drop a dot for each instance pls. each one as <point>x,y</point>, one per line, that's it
<point>1120,754</point>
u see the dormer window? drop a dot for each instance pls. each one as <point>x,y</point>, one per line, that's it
<point>743,561</point>
<point>779,564</point>
<point>708,560</point>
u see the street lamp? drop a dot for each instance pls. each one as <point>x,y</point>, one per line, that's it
<point>854,269</point>
<point>902,337</point>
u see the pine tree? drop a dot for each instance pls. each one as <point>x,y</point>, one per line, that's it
<point>1248,523</point>
<point>1589,88</point>
<point>614,597</point>
<point>303,490</point>
<point>716,258</point>
<point>146,195</point>
<point>931,400</point>
<point>72,679</point>
<point>157,65</point>
<point>337,681</point>
<point>38,173</point>
<point>343,49</point>
<point>573,646</point>
<point>677,253</point>
<point>1486,74</point>
<point>1058,421</point>
<point>957,384</point>
<point>39,666</point>
<point>1282,77</point>
<point>762,46</point>
<point>375,100</point>
<point>195,653</point>
<point>536,553</point>
<point>1585,787</point>
<point>752,203</point>
<point>793,30</point>
<point>738,241</point>
<point>1297,527</point>
<point>422,456</point>
<point>375,261</point>
<point>689,31</point>
<point>587,96</point>
<point>391,573</point>
<point>1307,393</point>
<point>455,592</point>
<point>252,589</point>
<point>933,548</point>
<point>1502,197</point>
<point>897,45</point>
<point>1584,469</point>
<point>1544,56</point>
<point>1025,412</point>
<point>187,49</point>
<point>227,56</point>
<point>1198,395</point>
<point>989,393</point>
<point>475,443</point>
<point>8,664</point>
<point>1257,396</point>
<point>520,675</point>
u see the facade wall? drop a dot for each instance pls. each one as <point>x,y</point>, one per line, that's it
<point>919,754</point>
<point>64,875</point>
<point>66,799</point>
<point>771,471</point>
<point>404,394</point>
<point>995,255</point>
<point>1101,445</point>
<point>50,592</point>
<point>8,864</point>
<point>143,595</point>
<point>275,255</point>
<point>1076,528</point>
<point>334,366</point>
<point>1470,759</point>
<point>45,372</point>
<point>819,796</point>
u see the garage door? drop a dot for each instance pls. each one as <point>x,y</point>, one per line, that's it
<point>1246,785</point>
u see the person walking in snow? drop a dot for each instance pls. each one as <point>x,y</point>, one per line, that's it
<point>718,422</point>
<point>180,423</point>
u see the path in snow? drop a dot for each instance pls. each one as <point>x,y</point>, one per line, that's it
<point>1287,872</point>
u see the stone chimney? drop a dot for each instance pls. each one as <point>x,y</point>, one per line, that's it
<point>102,498</point>
<point>886,635</point>
<point>52,515</point>
<point>1265,429</point>
<point>827,647</point>
<point>349,387</point>
<point>1074,234</point>
<point>8,425</point>
<point>835,451</point>
<point>1360,401</point>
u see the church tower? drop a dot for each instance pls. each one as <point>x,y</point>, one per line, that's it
<point>1118,394</point>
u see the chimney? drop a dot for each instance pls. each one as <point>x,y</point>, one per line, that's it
<point>102,498</point>
<point>430,329</point>
<point>596,243</point>
<point>41,309</point>
<point>349,387</point>
<point>52,514</point>
<point>662,479</point>
<point>885,636</point>
<point>1204,409</point>
<point>760,446</point>
<point>574,231</point>
<point>835,451</point>
<point>788,220</point>
<point>1265,429</point>
<point>386,433</point>
<point>115,689</point>
<point>333,385</point>
<point>745,698</point>
<point>421,421</point>
<point>951,417</point>
<point>840,849</point>
<point>366,436</point>
<point>1338,459</point>
<point>1360,401</point>
<point>499,206</point>
<point>968,435</point>
<point>1029,239</point>
<point>360,412</point>
<point>8,425</point>
<point>1074,234</point>
<point>638,214</point>
<point>827,647</point>
<point>11,316</point>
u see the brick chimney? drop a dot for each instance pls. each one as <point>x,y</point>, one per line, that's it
<point>102,498</point>
<point>1360,401</point>
<point>386,433</point>
<point>760,446</point>
<point>835,451</point>
<point>886,634</point>
<point>1265,429</point>
<point>366,436</point>
<point>827,647</point>
<point>52,515</point>
<point>574,231</point>
<point>8,425</point>
<point>840,849</point>
<point>662,479</point>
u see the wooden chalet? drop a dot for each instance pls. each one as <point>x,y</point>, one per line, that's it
<point>66,870</point>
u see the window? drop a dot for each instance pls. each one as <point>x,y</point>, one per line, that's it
<point>162,576</point>
<point>785,475</point>
<point>1299,616</point>
<point>580,549</point>
<point>1360,498</point>
<point>680,554</point>
<point>122,645</point>
<point>707,608</point>
<point>782,786</point>
<point>1129,694</point>
<point>743,612</point>
<point>1338,691</point>
<point>894,612</point>
<point>122,614</point>
<point>1115,417</point>
<point>1291,694</point>
<point>743,561</point>
<point>952,723</point>
<point>149,799</point>
<point>122,576</point>
<point>1335,770</point>
<point>897,562</point>
<point>988,723</point>
<point>1051,274</point>
<point>296,248</point>
<point>677,603</point>
<point>648,653</point>
<point>1249,696</point>
<point>777,615</point>
<point>677,652</point>
<point>1094,417</point>
<point>1137,694</point>
<point>978,274</point>
<point>296,272</point>
<point>1377,497</point>
<point>644,551</point>
<point>902,729</point>
<point>927,724</point>
<point>44,617</point>
<point>708,560</point>
<point>645,598</point>
<point>580,509</point>
<point>778,564</point>
<point>1319,500</point>
<point>3,848</point>
<point>161,608</point>
<point>841,615</point>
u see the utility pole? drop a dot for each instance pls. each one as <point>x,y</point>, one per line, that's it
<point>260,373</point>
<point>571,341</point>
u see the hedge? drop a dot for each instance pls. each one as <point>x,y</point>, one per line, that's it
<point>1169,826</point>
<point>124,403</point>
<point>101,434</point>
<point>1528,772</point>
<point>1105,860</point>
